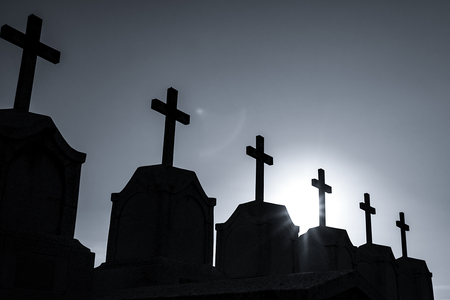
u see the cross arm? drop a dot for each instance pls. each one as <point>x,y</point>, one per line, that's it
<point>20,40</point>
<point>267,159</point>
<point>161,107</point>
<point>316,183</point>
<point>369,209</point>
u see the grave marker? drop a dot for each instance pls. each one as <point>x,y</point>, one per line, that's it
<point>403,228</point>
<point>172,114</point>
<point>369,210</point>
<point>323,188</point>
<point>261,159</point>
<point>32,48</point>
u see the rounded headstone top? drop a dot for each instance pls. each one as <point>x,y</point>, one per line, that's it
<point>259,212</point>
<point>17,124</point>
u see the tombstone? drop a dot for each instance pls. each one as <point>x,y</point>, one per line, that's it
<point>376,262</point>
<point>414,277</point>
<point>258,239</point>
<point>39,183</point>
<point>324,248</point>
<point>161,229</point>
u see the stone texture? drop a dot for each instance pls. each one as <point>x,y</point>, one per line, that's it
<point>39,182</point>
<point>335,285</point>
<point>325,249</point>
<point>163,220</point>
<point>414,279</point>
<point>257,240</point>
<point>377,264</point>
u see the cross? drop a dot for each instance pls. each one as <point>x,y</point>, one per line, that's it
<point>261,159</point>
<point>323,188</point>
<point>369,211</point>
<point>172,115</point>
<point>403,227</point>
<point>32,48</point>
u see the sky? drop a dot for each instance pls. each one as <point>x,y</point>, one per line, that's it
<point>358,88</point>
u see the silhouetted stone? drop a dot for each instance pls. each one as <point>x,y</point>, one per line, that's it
<point>258,239</point>
<point>377,264</point>
<point>414,276</point>
<point>32,48</point>
<point>325,249</point>
<point>337,285</point>
<point>161,229</point>
<point>39,181</point>
<point>414,279</point>
<point>323,188</point>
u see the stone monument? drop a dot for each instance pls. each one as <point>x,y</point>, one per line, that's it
<point>376,262</point>
<point>39,182</point>
<point>325,248</point>
<point>258,239</point>
<point>414,276</point>
<point>161,229</point>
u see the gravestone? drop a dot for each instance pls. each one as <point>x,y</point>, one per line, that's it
<point>161,229</point>
<point>414,277</point>
<point>39,183</point>
<point>258,239</point>
<point>376,262</point>
<point>324,248</point>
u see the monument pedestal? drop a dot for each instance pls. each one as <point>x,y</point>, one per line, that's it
<point>325,249</point>
<point>414,279</point>
<point>161,231</point>
<point>377,264</point>
<point>257,240</point>
<point>39,181</point>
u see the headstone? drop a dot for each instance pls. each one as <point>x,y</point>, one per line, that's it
<point>414,276</point>
<point>324,248</point>
<point>161,229</point>
<point>39,183</point>
<point>259,237</point>
<point>376,262</point>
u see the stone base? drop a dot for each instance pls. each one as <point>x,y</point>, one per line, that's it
<point>42,266</point>
<point>338,285</point>
<point>151,272</point>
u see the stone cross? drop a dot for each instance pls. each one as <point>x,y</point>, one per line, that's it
<point>32,48</point>
<point>403,228</point>
<point>323,188</point>
<point>369,211</point>
<point>172,115</point>
<point>261,159</point>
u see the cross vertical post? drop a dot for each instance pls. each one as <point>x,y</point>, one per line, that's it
<point>32,48</point>
<point>369,211</point>
<point>261,159</point>
<point>172,114</point>
<point>403,228</point>
<point>323,188</point>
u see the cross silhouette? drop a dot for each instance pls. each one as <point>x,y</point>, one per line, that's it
<point>261,159</point>
<point>369,210</point>
<point>403,228</point>
<point>323,188</point>
<point>32,48</point>
<point>172,115</point>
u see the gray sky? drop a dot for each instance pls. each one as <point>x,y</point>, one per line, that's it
<point>358,88</point>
